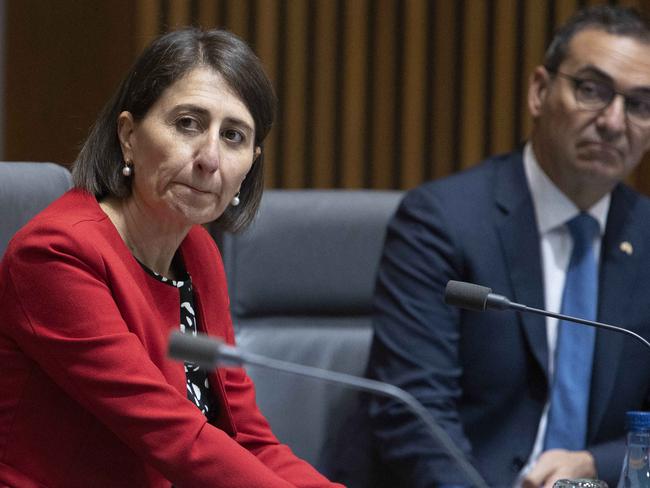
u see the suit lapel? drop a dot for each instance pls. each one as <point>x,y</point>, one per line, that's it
<point>517,228</point>
<point>621,259</point>
<point>618,269</point>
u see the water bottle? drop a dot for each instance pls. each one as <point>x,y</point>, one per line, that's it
<point>580,483</point>
<point>636,470</point>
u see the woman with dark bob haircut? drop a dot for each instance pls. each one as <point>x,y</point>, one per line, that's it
<point>92,287</point>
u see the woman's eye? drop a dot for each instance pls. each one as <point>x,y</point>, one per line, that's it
<point>188,124</point>
<point>233,135</point>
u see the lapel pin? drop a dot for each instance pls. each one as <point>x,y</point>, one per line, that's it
<point>626,247</point>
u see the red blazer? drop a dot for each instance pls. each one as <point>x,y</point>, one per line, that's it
<point>88,397</point>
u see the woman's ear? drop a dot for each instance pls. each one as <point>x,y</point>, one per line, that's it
<point>538,86</point>
<point>125,128</point>
<point>258,151</point>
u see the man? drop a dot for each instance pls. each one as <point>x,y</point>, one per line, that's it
<point>524,407</point>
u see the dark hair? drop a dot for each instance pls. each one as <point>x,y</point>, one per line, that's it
<point>165,61</point>
<point>613,20</point>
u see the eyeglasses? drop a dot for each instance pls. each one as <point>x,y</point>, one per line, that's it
<point>595,95</point>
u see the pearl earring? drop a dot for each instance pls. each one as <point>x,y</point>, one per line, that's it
<point>127,170</point>
<point>235,200</point>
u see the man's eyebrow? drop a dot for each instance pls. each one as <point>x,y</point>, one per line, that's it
<point>598,73</point>
<point>592,70</point>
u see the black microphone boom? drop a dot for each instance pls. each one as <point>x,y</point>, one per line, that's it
<point>479,298</point>
<point>475,297</point>
<point>209,352</point>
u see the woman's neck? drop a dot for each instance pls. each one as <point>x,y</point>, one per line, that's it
<point>152,241</point>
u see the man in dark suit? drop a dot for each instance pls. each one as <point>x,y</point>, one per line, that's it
<point>488,378</point>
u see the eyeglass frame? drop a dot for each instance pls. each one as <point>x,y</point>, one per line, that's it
<point>577,82</point>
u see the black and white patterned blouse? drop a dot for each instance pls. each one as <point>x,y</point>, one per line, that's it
<point>198,387</point>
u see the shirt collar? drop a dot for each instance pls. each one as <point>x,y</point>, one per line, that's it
<point>552,207</point>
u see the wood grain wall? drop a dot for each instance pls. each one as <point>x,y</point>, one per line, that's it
<point>63,60</point>
<point>373,93</point>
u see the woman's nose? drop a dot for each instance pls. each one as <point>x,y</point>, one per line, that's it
<point>210,154</point>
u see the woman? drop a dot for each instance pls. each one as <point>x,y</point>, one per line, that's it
<point>91,288</point>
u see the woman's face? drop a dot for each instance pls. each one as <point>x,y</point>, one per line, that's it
<point>191,151</point>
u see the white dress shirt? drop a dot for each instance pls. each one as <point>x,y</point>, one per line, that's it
<point>552,210</point>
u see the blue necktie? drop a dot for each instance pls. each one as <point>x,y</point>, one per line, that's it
<point>567,418</point>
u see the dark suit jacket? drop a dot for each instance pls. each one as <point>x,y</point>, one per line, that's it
<point>484,376</point>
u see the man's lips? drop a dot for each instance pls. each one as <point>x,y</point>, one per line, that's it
<point>602,147</point>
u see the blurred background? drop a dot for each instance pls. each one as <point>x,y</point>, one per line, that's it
<point>373,93</point>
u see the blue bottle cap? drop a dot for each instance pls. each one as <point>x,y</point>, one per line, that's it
<point>637,420</point>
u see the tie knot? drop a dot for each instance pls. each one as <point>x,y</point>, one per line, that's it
<point>583,228</point>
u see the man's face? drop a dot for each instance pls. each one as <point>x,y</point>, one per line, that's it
<point>586,152</point>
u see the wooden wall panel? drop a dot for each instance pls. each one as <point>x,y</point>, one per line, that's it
<point>206,13</point>
<point>382,124</point>
<point>178,14</point>
<point>563,10</point>
<point>63,60</point>
<point>473,94</point>
<point>445,62</point>
<point>147,17</point>
<point>293,108</point>
<point>353,106</point>
<point>414,99</point>
<point>267,27</point>
<point>239,15</point>
<point>534,40</point>
<point>502,72</point>
<point>372,93</point>
<point>322,123</point>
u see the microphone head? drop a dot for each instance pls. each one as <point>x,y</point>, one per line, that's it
<point>467,295</point>
<point>200,349</point>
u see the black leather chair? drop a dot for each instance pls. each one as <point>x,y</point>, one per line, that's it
<point>25,190</point>
<point>301,280</point>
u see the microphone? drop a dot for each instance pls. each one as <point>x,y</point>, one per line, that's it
<point>210,352</point>
<point>479,298</point>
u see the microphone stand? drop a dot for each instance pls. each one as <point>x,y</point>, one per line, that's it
<point>180,344</point>
<point>592,323</point>
<point>479,298</point>
<point>500,302</point>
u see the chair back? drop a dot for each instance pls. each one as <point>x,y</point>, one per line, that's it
<point>301,280</point>
<point>25,190</point>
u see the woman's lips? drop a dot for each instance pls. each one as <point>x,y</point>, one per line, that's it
<point>195,189</point>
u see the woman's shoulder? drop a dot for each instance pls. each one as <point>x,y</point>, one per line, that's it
<point>71,223</point>
<point>72,208</point>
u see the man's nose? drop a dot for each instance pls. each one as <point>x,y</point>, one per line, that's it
<point>612,119</point>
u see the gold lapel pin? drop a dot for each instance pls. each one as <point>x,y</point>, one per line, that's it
<point>627,248</point>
